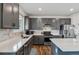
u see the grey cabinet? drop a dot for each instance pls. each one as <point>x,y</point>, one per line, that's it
<point>47,21</point>
<point>41,40</point>
<point>65,21</point>
<point>25,50</point>
<point>38,40</point>
<point>10,15</point>
<point>38,23</point>
<point>15,16</point>
<point>27,47</point>
<point>35,24</point>
<point>53,22</point>
<point>0,15</point>
<point>20,51</point>
<point>35,40</point>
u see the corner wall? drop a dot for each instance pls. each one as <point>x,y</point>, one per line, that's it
<point>74,18</point>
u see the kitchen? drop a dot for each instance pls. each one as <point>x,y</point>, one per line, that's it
<point>39,29</point>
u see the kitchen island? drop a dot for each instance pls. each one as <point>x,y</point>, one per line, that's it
<point>65,46</point>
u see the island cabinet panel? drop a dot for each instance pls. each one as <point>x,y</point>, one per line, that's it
<point>54,49</point>
<point>10,15</point>
<point>57,51</point>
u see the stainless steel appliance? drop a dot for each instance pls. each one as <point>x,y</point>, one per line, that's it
<point>47,36</point>
<point>69,31</point>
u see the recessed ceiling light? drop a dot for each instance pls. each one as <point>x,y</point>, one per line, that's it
<point>40,9</point>
<point>71,9</point>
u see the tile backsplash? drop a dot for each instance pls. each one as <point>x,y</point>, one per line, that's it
<point>6,34</point>
<point>3,34</point>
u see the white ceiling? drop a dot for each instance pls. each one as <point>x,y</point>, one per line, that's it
<point>50,9</point>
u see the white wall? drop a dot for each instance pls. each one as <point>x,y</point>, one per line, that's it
<point>75,21</point>
<point>22,12</point>
<point>4,34</point>
<point>74,18</point>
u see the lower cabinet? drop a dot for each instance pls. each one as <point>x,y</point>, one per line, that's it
<point>41,40</point>
<point>20,51</point>
<point>38,40</point>
<point>27,47</point>
<point>35,40</point>
<point>25,50</point>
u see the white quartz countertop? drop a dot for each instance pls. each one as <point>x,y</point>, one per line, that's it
<point>12,45</point>
<point>66,44</point>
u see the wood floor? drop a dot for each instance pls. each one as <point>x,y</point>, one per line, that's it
<point>42,49</point>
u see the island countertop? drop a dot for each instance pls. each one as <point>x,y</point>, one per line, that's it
<point>66,44</point>
<point>13,45</point>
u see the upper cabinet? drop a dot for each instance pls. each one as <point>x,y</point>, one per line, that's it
<point>65,21</point>
<point>47,21</point>
<point>39,23</point>
<point>34,24</point>
<point>0,15</point>
<point>10,16</point>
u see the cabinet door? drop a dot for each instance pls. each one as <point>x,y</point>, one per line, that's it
<point>10,15</point>
<point>50,21</point>
<point>15,13</point>
<point>66,21</point>
<point>26,49</point>
<point>41,40</point>
<point>7,15</point>
<point>30,46</point>
<point>35,40</point>
<point>0,15</point>
<point>33,24</point>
